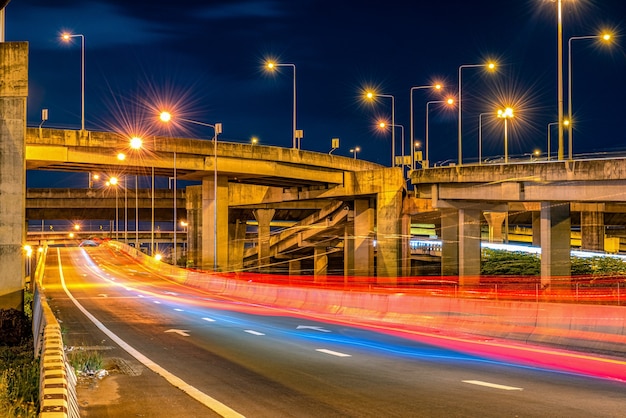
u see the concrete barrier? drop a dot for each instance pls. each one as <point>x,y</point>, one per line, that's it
<point>57,383</point>
<point>575,326</point>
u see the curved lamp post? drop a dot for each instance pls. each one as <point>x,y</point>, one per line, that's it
<point>272,65</point>
<point>66,37</point>
<point>490,66</point>
<point>411,133</point>
<point>370,95</point>
<point>217,129</point>
<point>426,145</point>
<point>570,125</point>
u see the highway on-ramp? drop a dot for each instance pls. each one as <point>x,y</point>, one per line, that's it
<point>182,351</point>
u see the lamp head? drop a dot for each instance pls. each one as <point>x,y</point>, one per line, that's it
<point>165,116</point>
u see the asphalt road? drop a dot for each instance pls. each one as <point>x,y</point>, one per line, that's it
<point>179,351</point>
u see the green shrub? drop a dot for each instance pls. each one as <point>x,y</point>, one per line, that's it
<point>85,361</point>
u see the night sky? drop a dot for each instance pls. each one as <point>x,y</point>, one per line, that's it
<point>204,60</point>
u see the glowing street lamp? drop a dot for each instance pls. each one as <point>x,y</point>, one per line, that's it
<point>113,181</point>
<point>506,114</point>
<point>412,136</point>
<point>570,128</point>
<point>272,66</point>
<point>370,95</point>
<point>450,102</point>
<point>66,37</point>
<point>136,143</point>
<point>383,125</point>
<point>489,66</point>
<point>354,151</point>
<point>217,129</point>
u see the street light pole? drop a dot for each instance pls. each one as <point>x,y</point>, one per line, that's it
<point>217,129</point>
<point>371,95</point>
<point>491,66</point>
<point>559,35</point>
<point>66,37</point>
<point>506,114</point>
<point>570,127</point>
<point>412,136</point>
<point>426,145</point>
<point>272,65</point>
<point>549,141</point>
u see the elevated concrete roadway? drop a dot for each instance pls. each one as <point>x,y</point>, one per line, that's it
<point>550,190</point>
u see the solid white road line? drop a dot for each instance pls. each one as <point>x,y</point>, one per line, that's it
<point>332,353</point>
<point>491,385</point>
<point>201,397</point>
<point>209,319</point>
<point>249,331</point>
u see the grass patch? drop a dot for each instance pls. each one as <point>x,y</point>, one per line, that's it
<point>85,362</point>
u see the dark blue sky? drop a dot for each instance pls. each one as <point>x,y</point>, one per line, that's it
<point>207,56</point>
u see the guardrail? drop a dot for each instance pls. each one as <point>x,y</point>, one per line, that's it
<point>57,384</point>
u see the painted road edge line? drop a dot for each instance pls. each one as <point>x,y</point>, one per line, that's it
<point>332,353</point>
<point>491,385</point>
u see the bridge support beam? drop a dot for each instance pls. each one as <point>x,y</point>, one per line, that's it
<point>214,223</point>
<point>555,244</point>
<point>236,240</point>
<point>264,218</point>
<point>362,259</point>
<point>469,246</point>
<point>495,221</point>
<point>320,264</point>
<point>388,221</point>
<point>193,204</point>
<point>450,242</point>
<point>592,227</point>
<point>13,93</point>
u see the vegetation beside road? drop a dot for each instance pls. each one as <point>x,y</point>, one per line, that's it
<point>19,370</point>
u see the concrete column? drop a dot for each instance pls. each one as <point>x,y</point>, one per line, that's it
<point>405,261</point>
<point>536,229</point>
<point>13,94</point>
<point>320,264</point>
<point>469,246</point>
<point>495,221</point>
<point>555,244</point>
<point>295,267</point>
<point>592,230</point>
<point>193,203</point>
<point>388,221</point>
<point>450,242</point>
<point>214,234</point>
<point>348,247</point>
<point>363,238</point>
<point>264,217</point>
<point>236,241</point>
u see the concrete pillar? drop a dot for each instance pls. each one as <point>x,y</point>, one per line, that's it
<point>320,264</point>
<point>363,238</point>
<point>469,246</point>
<point>555,244</point>
<point>214,223</point>
<point>295,267</point>
<point>405,261</point>
<point>13,93</point>
<point>450,242</point>
<point>536,229</point>
<point>495,221</point>
<point>388,221</point>
<point>592,230</point>
<point>348,247</point>
<point>193,203</point>
<point>236,241</point>
<point>264,218</point>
